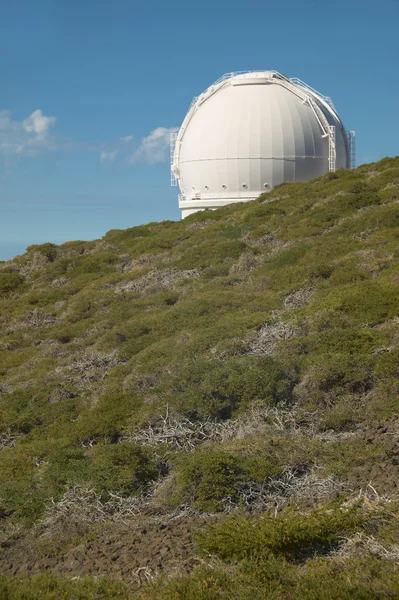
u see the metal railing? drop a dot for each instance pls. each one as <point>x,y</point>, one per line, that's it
<point>327,99</point>
<point>172,141</point>
<point>352,148</point>
<point>332,155</point>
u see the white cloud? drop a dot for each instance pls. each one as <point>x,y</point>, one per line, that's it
<point>108,156</point>
<point>126,139</point>
<point>153,148</point>
<point>38,123</point>
<point>28,137</point>
<point>33,136</point>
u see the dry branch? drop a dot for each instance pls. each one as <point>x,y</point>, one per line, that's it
<point>82,505</point>
<point>157,281</point>
<point>299,298</point>
<point>292,485</point>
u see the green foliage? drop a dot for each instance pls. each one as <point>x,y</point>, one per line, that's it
<point>9,282</point>
<point>100,262</point>
<point>290,257</point>
<point>209,476</point>
<point>37,473</point>
<point>355,579</point>
<point>211,252</point>
<point>122,468</point>
<point>291,536</point>
<point>125,467</point>
<point>48,250</point>
<point>369,302</point>
<point>218,389</point>
<point>358,579</point>
<point>106,420</point>
<point>48,586</point>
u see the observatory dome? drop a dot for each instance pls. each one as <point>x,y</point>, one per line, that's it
<point>251,131</point>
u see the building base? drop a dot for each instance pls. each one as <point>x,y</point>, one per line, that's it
<point>189,207</point>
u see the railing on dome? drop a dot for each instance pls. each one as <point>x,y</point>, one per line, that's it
<point>332,155</point>
<point>228,76</point>
<point>193,101</point>
<point>172,140</point>
<point>294,80</point>
<point>327,99</point>
<point>352,148</point>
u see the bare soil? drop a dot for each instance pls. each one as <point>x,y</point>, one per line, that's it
<point>134,552</point>
<point>384,475</point>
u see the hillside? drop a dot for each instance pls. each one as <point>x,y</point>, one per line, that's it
<point>208,409</point>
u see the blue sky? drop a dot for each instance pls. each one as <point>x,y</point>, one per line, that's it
<point>90,89</point>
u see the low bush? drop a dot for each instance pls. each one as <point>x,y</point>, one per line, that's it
<point>216,389</point>
<point>48,250</point>
<point>123,468</point>
<point>210,478</point>
<point>9,282</point>
<point>49,587</point>
<point>292,536</point>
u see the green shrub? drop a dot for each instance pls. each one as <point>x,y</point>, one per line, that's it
<point>105,421</point>
<point>211,252</point>
<point>291,535</point>
<point>269,581</point>
<point>210,475</point>
<point>9,282</point>
<point>101,262</point>
<point>290,257</point>
<point>215,389</point>
<point>67,465</point>
<point>123,468</point>
<point>364,578</point>
<point>50,587</point>
<point>48,250</point>
<point>207,478</point>
<point>368,302</point>
<point>332,376</point>
<point>276,579</point>
<point>348,273</point>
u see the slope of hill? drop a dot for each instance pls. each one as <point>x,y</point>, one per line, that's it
<point>209,408</point>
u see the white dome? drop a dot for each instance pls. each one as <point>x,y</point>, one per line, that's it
<point>251,131</point>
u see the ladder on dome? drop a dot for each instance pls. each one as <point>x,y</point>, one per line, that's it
<point>352,148</point>
<point>172,140</point>
<point>332,155</point>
